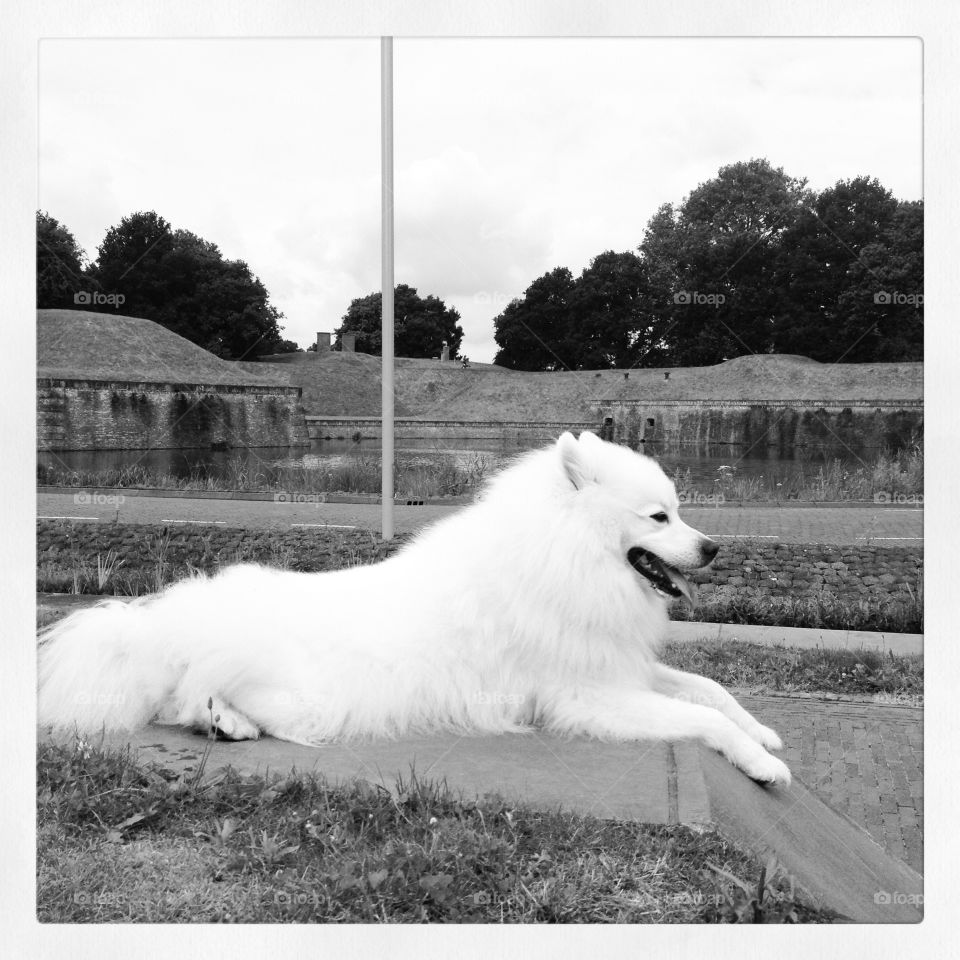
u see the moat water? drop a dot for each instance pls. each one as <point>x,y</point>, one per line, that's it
<point>706,464</point>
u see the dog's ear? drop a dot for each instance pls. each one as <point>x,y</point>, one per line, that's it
<point>576,464</point>
<point>590,440</point>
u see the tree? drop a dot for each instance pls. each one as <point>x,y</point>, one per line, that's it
<point>183,282</point>
<point>881,309</point>
<point>852,243</point>
<point>421,324</point>
<point>610,323</point>
<point>710,262</point>
<point>60,264</point>
<point>531,331</point>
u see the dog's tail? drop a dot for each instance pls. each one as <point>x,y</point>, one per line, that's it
<point>100,669</point>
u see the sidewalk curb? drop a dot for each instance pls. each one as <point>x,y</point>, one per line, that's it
<point>271,497</point>
<point>902,644</point>
<point>374,498</point>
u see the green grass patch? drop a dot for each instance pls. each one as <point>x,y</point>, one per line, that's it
<point>119,841</point>
<point>415,477</point>
<point>889,477</point>
<point>823,610</point>
<point>737,663</point>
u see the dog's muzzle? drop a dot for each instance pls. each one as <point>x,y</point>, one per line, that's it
<point>668,581</point>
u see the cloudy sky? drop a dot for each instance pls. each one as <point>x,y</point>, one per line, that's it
<point>512,156</point>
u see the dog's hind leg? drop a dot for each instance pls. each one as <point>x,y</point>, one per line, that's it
<point>209,714</point>
<point>692,688</point>
<point>627,714</point>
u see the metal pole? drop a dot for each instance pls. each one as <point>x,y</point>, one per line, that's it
<point>386,282</point>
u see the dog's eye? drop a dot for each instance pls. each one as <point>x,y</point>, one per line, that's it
<point>660,517</point>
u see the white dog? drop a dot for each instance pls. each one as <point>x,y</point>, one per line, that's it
<point>542,603</point>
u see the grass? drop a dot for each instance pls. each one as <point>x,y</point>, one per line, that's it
<point>738,663</point>
<point>100,346</point>
<point>414,477</point>
<point>891,477</point>
<point>824,611</point>
<point>119,841</point>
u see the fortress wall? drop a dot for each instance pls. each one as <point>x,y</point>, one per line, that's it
<point>783,424</point>
<point>122,415</point>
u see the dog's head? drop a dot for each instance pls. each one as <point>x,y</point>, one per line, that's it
<point>635,504</point>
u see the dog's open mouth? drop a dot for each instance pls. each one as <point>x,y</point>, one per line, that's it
<point>666,580</point>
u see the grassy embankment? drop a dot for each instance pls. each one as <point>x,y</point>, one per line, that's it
<point>118,841</point>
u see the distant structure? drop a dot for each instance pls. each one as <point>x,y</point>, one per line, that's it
<point>445,352</point>
<point>323,342</point>
<point>348,342</point>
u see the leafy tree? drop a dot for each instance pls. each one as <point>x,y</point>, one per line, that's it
<point>610,323</point>
<point>183,282</point>
<point>531,332</point>
<point>421,324</point>
<point>60,264</point>
<point>851,242</point>
<point>881,309</point>
<point>710,262</point>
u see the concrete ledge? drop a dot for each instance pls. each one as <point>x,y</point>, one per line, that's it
<point>833,859</point>
<point>683,631</point>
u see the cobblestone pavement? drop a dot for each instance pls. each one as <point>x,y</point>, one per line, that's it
<point>865,759</point>
<point>881,526</point>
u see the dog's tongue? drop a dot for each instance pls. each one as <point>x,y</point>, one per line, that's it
<point>686,588</point>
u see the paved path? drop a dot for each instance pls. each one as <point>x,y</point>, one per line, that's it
<point>879,526</point>
<point>865,759</point>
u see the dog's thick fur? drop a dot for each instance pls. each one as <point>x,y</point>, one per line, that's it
<point>522,608</point>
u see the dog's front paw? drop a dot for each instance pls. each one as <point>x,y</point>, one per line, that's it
<point>768,769</point>
<point>766,737</point>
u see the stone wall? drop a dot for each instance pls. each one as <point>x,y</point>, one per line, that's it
<point>783,424</point>
<point>121,415</point>
<point>411,428</point>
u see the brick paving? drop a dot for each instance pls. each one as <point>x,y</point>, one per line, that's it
<point>864,758</point>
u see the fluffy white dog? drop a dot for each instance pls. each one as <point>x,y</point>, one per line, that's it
<point>542,603</point>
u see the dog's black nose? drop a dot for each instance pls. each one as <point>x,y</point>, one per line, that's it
<point>709,549</point>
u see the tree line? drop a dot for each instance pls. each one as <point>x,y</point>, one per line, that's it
<point>751,261</point>
<point>145,268</point>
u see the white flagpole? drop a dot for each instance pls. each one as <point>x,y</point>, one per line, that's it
<point>386,282</point>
